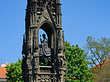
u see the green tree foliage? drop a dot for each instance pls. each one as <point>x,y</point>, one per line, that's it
<point>77,66</point>
<point>14,72</point>
<point>97,50</point>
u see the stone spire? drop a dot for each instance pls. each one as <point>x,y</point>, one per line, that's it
<point>45,15</point>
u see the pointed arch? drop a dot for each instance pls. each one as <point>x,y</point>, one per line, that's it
<point>49,28</point>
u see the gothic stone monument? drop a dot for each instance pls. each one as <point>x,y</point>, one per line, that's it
<point>45,15</point>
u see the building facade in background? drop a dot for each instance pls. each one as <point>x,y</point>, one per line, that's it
<point>2,74</point>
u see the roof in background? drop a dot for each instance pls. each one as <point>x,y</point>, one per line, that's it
<point>2,72</point>
<point>98,65</point>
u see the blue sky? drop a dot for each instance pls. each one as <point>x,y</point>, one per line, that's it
<point>80,18</point>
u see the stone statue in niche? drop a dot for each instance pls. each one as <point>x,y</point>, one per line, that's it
<point>45,51</point>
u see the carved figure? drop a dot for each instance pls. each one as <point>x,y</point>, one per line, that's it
<point>45,51</point>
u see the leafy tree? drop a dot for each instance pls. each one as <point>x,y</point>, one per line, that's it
<point>77,66</point>
<point>97,50</point>
<point>14,72</point>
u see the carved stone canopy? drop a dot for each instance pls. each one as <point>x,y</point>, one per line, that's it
<point>45,15</point>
